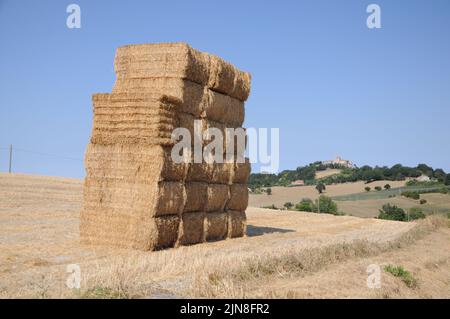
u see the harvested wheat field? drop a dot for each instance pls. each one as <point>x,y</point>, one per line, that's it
<point>281,195</point>
<point>285,254</point>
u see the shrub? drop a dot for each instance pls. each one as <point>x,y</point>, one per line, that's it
<point>387,186</point>
<point>367,189</point>
<point>306,205</point>
<point>405,275</point>
<point>325,205</point>
<point>423,201</point>
<point>270,206</point>
<point>411,194</point>
<point>269,191</point>
<point>415,213</point>
<point>378,188</point>
<point>443,190</point>
<point>288,205</point>
<point>320,187</point>
<point>392,212</point>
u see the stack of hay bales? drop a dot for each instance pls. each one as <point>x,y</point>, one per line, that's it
<point>135,195</point>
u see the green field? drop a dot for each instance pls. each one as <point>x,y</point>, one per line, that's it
<point>373,194</point>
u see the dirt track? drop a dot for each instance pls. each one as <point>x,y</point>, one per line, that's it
<point>39,237</point>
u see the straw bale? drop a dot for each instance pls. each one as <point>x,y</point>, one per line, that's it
<point>200,172</point>
<point>191,228</point>
<point>222,108</point>
<point>222,173</point>
<point>170,198</point>
<point>218,196</point>
<point>135,196</point>
<point>238,197</point>
<point>165,232</point>
<point>216,226</point>
<point>196,195</point>
<point>133,163</point>
<point>128,231</point>
<point>236,224</point>
<point>176,60</point>
<point>241,172</point>
<point>179,60</point>
<point>190,94</point>
<point>134,118</point>
<point>117,196</point>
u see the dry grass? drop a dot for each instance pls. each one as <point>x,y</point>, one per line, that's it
<point>327,172</point>
<point>281,195</point>
<point>40,239</point>
<point>236,279</point>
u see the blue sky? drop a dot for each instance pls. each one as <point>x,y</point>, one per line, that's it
<point>332,86</point>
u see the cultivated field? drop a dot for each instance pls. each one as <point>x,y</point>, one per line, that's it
<point>286,254</point>
<point>281,195</point>
<point>353,200</point>
<point>327,172</point>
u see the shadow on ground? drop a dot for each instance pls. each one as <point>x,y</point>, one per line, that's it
<point>261,230</point>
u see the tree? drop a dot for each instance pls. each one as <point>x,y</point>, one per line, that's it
<point>411,194</point>
<point>416,213</point>
<point>367,188</point>
<point>392,212</point>
<point>425,170</point>
<point>269,191</point>
<point>378,188</point>
<point>320,187</point>
<point>447,179</point>
<point>439,174</point>
<point>325,205</point>
<point>288,205</point>
<point>387,187</point>
<point>306,205</point>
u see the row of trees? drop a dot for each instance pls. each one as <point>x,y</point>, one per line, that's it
<point>378,188</point>
<point>323,204</point>
<point>365,173</point>
<point>392,212</point>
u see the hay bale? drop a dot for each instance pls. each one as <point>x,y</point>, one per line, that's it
<point>196,197</point>
<point>222,108</point>
<point>133,118</point>
<point>217,173</point>
<point>165,232</point>
<point>127,231</point>
<point>190,94</point>
<point>191,228</point>
<point>179,60</point>
<point>236,224</point>
<point>238,197</point>
<point>169,60</point>
<point>218,196</point>
<point>216,226</point>
<point>242,172</point>
<point>200,172</point>
<point>222,173</point>
<point>120,197</point>
<point>135,196</point>
<point>133,163</point>
<point>170,198</point>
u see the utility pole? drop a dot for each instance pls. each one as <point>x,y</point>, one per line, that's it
<point>318,204</point>
<point>10,158</point>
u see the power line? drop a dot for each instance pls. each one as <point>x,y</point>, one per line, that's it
<point>46,154</point>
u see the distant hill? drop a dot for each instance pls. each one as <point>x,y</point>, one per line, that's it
<point>332,174</point>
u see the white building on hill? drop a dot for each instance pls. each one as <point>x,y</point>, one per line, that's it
<point>339,161</point>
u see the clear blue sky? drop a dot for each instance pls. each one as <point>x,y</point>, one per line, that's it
<point>332,86</point>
